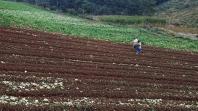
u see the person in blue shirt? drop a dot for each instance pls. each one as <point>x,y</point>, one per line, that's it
<point>137,45</point>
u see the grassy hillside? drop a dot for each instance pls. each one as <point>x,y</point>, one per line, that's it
<point>181,12</point>
<point>26,16</point>
<point>130,20</point>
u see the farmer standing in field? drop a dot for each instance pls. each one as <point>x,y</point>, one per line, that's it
<point>137,45</point>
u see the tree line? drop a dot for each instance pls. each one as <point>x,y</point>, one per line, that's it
<point>99,7</point>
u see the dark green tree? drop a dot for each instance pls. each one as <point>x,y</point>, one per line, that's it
<point>117,7</point>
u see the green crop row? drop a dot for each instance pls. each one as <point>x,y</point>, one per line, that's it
<point>128,20</point>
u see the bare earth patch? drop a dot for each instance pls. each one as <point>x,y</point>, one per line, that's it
<point>42,71</point>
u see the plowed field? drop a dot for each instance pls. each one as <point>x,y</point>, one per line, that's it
<point>42,71</point>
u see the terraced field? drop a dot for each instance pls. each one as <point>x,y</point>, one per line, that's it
<point>42,71</point>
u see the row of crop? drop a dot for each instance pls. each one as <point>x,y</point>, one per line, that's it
<point>97,73</point>
<point>99,61</point>
<point>85,92</point>
<point>96,104</point>
<point>20,57</point>
<point>92,79</point>
<point>106,105</point>
<point>145,20</point>
<point>108,68</point>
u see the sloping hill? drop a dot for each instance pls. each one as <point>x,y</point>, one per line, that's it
<point>22,15</point>
<point>180,12</point>
<point>49,72</point>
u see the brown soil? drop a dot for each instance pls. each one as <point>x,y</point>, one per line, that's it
<point>103,71</point>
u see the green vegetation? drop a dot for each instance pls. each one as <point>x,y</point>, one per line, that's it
<point>129,20</point>
<point>27,16</point>
<point>99,7</point>
<point>180,12</point>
